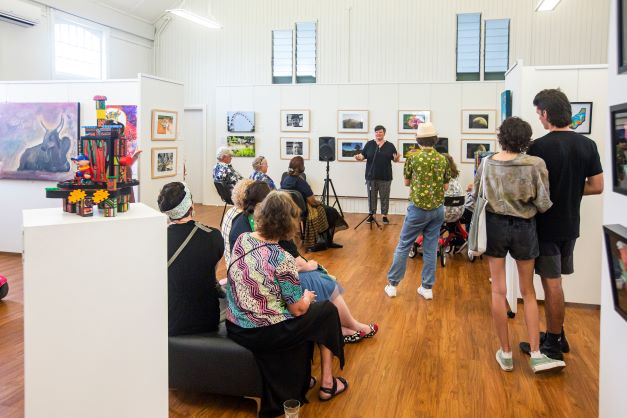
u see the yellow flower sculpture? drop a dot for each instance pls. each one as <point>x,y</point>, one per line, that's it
<point>100,196</point>
<point>76,196</point>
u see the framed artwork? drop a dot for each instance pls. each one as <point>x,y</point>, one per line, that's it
<point>163,162</point>
<point>506,104</point>
<point>294,120</point>
<point>408,120</point>
<point>352,121</point>
<point>472,147</point>
<point>621,12</point>
<point>442,145</point>
<point>240,121</point>
<point>292,147</point>
<point>127,116</point>
<point>405,147</point>
<point>37,140</point>
<point>478,121</point>
<point>616,247</point>
<point>582,117</point>
<point>618,126</point>
<point>242,146</point>
<point>347,148</point>
<point>164,125</point>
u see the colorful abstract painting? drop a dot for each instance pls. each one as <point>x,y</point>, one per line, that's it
<point>37,140</point>
<point>127,116</point>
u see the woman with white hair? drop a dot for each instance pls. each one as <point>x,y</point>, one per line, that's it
<point>223,171</point>
<point>260,167</point>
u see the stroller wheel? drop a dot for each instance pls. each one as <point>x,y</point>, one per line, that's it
<point>412,251</point>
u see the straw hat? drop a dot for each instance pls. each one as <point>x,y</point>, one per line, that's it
<point>426,130</point>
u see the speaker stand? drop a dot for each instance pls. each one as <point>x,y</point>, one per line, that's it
<point>328,186</point>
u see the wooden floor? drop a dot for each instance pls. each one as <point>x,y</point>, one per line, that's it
<point>430,358</point>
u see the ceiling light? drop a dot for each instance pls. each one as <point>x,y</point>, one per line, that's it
<point>193,17</point>
<point>546,5</point>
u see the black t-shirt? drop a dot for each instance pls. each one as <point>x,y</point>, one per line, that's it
<point>570,158</point>
<point>379,160</point>
<point>192,295</point>
<point>297,183</point>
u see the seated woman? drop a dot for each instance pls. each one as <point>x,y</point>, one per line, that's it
<point>238,205</point>
<point>260,167</point>
<point>193,252</point>
<point>270,314</point>
<point>322,220</point>
<point>311,274</point>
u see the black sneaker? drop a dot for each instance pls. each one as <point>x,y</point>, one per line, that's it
<point>551,349</point>
<point>370,219</point>
<point>386,221</point>
<point>565,347</point>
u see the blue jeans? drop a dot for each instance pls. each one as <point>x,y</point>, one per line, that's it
<point>418,221</point>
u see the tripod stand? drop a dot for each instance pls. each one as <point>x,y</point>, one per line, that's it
<point>370,211</point>
<point>328,186</point>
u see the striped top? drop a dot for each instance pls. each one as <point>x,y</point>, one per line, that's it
<point>262,281</point>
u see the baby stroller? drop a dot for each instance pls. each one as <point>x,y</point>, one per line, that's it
<point>453,235</point>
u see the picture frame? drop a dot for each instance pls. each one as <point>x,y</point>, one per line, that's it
<point>292,147</point>
<point>404,147</point>
<point>479,121</point>
<point>618,129</point>
<point>616,251</point>
<point>240,121</point>
<point>621,33</point>
<point>164,125</point>
<point>581,117</point>
<point>347,148</point>
<point>242,145</point>
<point>442,145</point>
<point>472,146</point>
<point>408,120</point>
<point>295,120</point>
<point>163,162</point>
<point>352,121</point>
<point>506,104</point>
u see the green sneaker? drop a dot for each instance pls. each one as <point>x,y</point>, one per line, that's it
<point>506,364</point>
<point>545,364</point>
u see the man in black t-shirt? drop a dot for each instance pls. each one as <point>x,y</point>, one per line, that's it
<point>379,155</point>
<point>575,170</point>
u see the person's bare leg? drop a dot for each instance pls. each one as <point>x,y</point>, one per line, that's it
<point>326,371</point>
<point>346,318</point>
<point>347,331</point>
<point>528,292</point>
<point>553,304</point>
<point>499,301</point>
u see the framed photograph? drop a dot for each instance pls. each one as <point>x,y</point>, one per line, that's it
<point>442,145</point>
<point>472,147</point>
<point>352,121</point>
<point>163,162</point>
<point>294,120</point>
<point>506,104</point>
<point>347,148</point>
<point>405,147</point>
<point>616,247</point>
<point>292,147</point>
<point>164,125</point>
<point>618,128</point>
<point>582,117</point>
<point>479,121</point>
<point>242,146</point>
<point>621,12</point>
<point>408,120</point>
<point>240,121</point>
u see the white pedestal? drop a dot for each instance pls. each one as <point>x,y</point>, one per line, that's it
<point>95,314</point>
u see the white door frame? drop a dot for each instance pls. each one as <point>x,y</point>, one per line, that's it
<point>205,173</point>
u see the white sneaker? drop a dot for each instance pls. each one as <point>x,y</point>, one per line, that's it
<point>390,290</point>
<point>425,293</point>
<point>506,364</point>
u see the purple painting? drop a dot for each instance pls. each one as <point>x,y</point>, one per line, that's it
<point>127,116</point>
<point>37,140</point>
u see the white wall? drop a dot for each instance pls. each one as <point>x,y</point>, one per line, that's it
<point>613,361</point>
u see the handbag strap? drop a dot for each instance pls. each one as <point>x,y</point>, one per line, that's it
<point>197,226</point>
<point>243,255</point>
<point>484,167</point>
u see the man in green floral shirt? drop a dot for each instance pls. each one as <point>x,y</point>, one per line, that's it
<point>427,174</point>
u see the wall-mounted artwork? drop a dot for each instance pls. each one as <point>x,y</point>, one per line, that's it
<point>618,127</point>
<point>408,120</point>
<point>352,121</point>
<point>127,116</point>
<point>292,147</point>
<point>294,120</point>
<point>472,147</point>
<point>442,145</point>
<point>621,12</point>
<point>240,121</point>
<point>242,146</point>
<point>479,121</point>
<point>37,139</point>
<point>405,147</point>
<point>506,104</point>
<point>164,162</point>
<point>616,247</point>
<point>582,117</point>
<point>347,148</point>
<point>164,125</point>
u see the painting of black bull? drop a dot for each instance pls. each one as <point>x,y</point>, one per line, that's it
<point>50,155</point>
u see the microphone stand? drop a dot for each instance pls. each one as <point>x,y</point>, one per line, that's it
<point>369,189</point>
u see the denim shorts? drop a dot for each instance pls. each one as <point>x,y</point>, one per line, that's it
<point>511,234</point>
<point>556,258</point>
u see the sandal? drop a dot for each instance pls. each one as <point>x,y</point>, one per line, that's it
<point>333,390</point>
<point>374,328</point>
<point>354,338</point>
<point>312,382</point>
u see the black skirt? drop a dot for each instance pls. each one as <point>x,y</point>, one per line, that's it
<point>284,351</point>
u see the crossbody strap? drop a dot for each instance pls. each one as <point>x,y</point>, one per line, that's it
<point>243,255</point>
<point>484,195</point>
<point>197,226</point>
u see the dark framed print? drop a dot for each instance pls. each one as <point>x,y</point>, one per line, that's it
<point>618,127</point>
<point>621,12</point>
<point>616,247</point>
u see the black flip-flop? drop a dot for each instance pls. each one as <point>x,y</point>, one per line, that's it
<point>333,390</point>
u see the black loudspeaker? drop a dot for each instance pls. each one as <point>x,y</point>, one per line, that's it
<point>326,148</point>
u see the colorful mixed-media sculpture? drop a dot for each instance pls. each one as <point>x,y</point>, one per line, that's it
<point>103,176</point>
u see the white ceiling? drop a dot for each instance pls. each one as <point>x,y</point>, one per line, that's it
<point>148,10</point>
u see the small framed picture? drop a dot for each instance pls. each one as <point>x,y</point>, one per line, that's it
<point>352,121</point>
<point>294,120</point>
<point>347,148</point>
<point>616,247</point>
<point>164,125</point>
<point>582,117</point>
<point>292,147</point>
<point>478,121</point>
<point>442,145</point>
<point>163,162</point>
<point>242,146</point>
<point>408,120</point>
<point>240,121</point>
<point>405,147</point>
<point>618,130</point>
<point>472,147</point>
